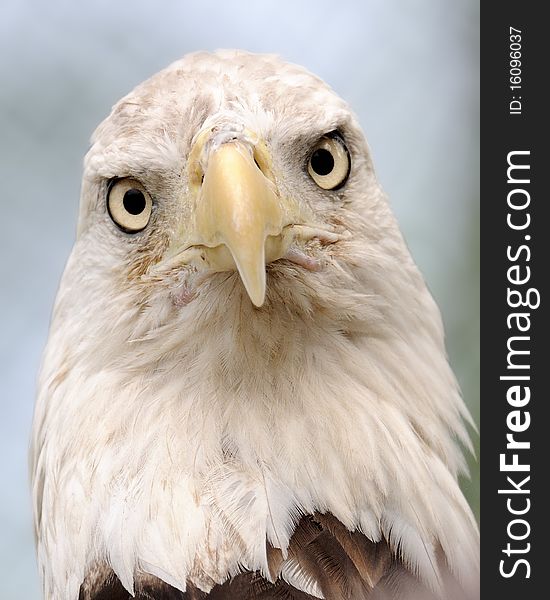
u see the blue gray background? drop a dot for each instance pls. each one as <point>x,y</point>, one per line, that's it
<point>409,69</point>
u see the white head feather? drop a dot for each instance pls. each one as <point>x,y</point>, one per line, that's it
<point>178,426</point>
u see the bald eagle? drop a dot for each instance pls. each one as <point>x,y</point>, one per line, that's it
<point>245,392</point>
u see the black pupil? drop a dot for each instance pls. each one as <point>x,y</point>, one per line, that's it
<point>134,201</point>
<point>322,161</point>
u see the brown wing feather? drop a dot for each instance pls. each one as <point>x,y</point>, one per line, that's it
<point>103,584</point>
<point>371,559</point>
<point>345,565</point>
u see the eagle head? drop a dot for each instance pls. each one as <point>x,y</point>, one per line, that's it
<point>246,377</point>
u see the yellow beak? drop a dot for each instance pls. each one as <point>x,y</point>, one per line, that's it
<point>238,214</point>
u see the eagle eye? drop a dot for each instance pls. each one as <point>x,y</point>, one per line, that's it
<point>129,204</point>
<point>329,163</point>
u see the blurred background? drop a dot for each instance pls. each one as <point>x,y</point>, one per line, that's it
<point>409,69</point>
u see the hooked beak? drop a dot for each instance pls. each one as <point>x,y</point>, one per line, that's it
<point>240,218</point>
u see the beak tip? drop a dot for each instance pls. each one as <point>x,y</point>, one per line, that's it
<point>252,271</point>
<point>258,301</point>
<point>256,293</point>
<point>254,281</point>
